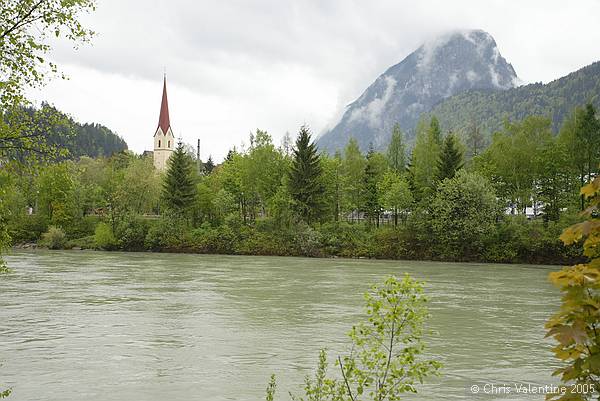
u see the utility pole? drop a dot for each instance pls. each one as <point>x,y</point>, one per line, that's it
<point>198,161</point>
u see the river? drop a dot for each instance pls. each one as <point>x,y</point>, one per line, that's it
<point>80,325</point>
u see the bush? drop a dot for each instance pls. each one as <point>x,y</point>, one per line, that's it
<point>307,241</point>
<point>509,241</point>
<point>390,243</point>
<point>28,228</point>
<point>222,239</point>
<point>132,234</point>
<point>168,234</point>
<point>54,238</point>
<point>104,237</point>
<point>88,242</point>
<point>518,240</point>
<point>83,227</point>
<point>264,243</point>
<point>345,239</point>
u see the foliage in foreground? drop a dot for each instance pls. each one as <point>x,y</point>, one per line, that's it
<point>5,393</point>
<point>576,327</point>
<point>26,27</point>
<point>386,358</point>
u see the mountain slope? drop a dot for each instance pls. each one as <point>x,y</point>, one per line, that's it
<point>488,109</point>
<point>451,64</point>
<point>61,130</point>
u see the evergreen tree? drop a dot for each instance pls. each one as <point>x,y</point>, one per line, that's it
<point>209,165</point>
<point>396,151</point>
<point>586,144</point>
<point>305,178</point>
<point>450,160</point>
<point>580,134</point>
<point>179,191</point>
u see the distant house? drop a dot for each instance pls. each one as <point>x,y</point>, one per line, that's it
<point>531,212</point>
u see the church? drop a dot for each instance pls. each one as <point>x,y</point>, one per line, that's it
<point>164,140</point>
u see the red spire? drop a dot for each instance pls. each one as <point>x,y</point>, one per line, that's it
<point>163,120</point>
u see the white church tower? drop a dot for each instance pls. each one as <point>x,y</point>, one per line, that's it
<point>164,140</point>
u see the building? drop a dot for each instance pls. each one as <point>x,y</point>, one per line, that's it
<point>164,140</point>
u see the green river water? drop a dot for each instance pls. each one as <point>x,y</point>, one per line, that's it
<point>145,326</point>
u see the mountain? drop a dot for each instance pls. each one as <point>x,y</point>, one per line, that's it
<point>94,140</point>
<point>489,109</point>
<point>451,64</point>
<point>89,139</point>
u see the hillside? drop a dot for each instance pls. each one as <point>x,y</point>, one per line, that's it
<point>89,139</point>
<point>488,109</point>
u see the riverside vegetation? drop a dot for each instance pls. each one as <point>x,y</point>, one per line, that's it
<point>450,198</point>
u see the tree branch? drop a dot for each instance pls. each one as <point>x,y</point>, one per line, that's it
<point>20,23</point>
<point>345,379</point>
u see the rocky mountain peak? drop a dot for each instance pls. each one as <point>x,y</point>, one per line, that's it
<point>447,65</point>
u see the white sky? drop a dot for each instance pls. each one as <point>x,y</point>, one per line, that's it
<point>237,65</point>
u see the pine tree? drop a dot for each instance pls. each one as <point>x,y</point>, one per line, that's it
<point>209,165</point>
<point>396,151</point>
<point>179,191</point>
<point>450,159</point>
<point>305,178</point>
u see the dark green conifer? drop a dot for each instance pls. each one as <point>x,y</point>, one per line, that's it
<point>179,190</point>
<point>450,160</point>
<point>305,178</point>
<point>209,165</point>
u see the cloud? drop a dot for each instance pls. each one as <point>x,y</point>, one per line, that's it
<point>234,66</point>
<point>371,112</point>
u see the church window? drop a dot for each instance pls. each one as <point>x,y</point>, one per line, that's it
<point>159,143</point>
<point>169,144</point>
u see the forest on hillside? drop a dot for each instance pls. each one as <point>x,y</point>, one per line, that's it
<point>489,110</point>
<point>54,129</point>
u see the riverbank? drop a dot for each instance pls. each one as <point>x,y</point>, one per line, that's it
<point>528,243</point>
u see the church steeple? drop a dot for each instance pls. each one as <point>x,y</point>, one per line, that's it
<point>163,120</point>
<point>164,140</point>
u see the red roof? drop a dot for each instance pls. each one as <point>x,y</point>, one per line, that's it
<point>163,120</point>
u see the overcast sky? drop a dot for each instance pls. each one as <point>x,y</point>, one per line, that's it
<point>237,65</point>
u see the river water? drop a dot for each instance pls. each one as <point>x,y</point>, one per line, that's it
<point>145,326</point>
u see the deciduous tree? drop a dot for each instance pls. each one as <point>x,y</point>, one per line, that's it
<point>394,194</point>
<point>353,170</point>
<point>461,214</point>
<point>396,152</point>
